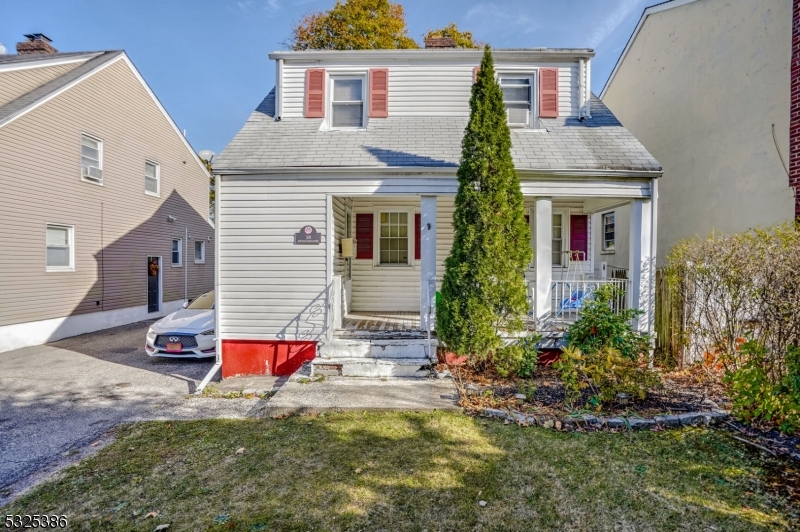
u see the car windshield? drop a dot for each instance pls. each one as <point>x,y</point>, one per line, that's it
<point>203,302</point>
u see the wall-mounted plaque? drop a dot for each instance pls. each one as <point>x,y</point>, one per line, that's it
<point>307,235</point>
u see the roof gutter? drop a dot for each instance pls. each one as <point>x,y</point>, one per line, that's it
<point>438,55</point>
<point>366,171</point>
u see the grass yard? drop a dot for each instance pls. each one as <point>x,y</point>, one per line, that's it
<point>406,471</point>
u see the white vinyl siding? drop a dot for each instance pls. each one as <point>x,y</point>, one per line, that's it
<point>60,252</point>
<point>427,88</point>
<point>152,178</point>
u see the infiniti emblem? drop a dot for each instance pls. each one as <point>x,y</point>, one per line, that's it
<point>173,338</point>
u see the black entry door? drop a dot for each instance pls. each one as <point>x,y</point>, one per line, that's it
<point>153,275</point>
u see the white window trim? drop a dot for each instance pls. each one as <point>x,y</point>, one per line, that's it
<point>334,75</point>
<point>100,162</point>
<point>180,253</point>
<point>157,193</point>
<point>605,250</point>
<point>564,236</point>
<point>534,124</point>
<point>376,236</point>
<point>203,258</point>
<point>71,232</point>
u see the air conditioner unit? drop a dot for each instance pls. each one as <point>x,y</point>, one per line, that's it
<point>92,173</point>
<point>517,117</point>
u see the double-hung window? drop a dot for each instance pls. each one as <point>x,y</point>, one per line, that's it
<point>347,103</point>
<point>152,178</point>
<point>608,231</point>
<point>91,159</point>
<point>394,237</point>
<point>518,98</point>
<point>60,248</point>
<point>199,252</point>
<point>177,252</point>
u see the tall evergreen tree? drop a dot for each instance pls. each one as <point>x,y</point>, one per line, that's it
<point>484,283</point>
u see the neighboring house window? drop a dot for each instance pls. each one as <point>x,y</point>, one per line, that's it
<point>518,98</point>
<point>177,252</point>
<point>91,159</point>
<point>199,252</point>
<point>347,103</point>
<point>608,231</point>
<point>152,178</point>
<point>393,240</point>
<point>60,248</point>
<point>558,239</point>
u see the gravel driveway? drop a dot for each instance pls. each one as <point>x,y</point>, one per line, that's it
<point>58,398</point>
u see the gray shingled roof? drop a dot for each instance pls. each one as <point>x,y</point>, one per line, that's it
<point>29,99</point>
<point>30,58</point>
<point>597,143</point>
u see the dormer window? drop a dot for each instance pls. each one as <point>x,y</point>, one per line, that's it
<point>347,103</point>
<point>518,98</point>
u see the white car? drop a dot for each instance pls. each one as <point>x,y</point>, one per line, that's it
<point>187,333</point>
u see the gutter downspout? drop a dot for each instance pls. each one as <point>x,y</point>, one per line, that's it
<point>581,87</point>
<point>588,89</point>
<point>279,89</point>
<point>186,265</point>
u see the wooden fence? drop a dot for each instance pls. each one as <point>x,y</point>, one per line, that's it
<point>669,322</point>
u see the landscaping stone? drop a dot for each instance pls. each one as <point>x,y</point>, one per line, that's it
<point>615,423</point>
<point>668,421</point>
<point>494,412</point>
<point>718,416</point>
<point>637,423</point>
<point>472,390</point>
<point>592,421</point>
<point>548,423</point>
<point>694,419</point>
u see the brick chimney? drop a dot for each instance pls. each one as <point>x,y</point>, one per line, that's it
<point>37,43</point>
<point>440,42</point>
<point>794,110</point>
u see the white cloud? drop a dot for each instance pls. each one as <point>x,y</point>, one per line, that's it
<point>603,27</point>
<point>248,6</point>
<point>491,17</point>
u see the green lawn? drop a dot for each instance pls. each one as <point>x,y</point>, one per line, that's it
<point>406,471</point>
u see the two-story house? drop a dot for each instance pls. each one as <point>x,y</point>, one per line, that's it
<point>105,204</point>
<point>335,203</point>
<point>711,89</point>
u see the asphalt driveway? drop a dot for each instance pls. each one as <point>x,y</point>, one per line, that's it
<point>60,397</point>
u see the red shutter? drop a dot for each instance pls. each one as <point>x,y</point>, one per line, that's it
<point>315,93</point>
<point>378,92</point>
<point>548,92</point>
<point>475,74</point>
<point>363,236</point>
<point>579,235</point>
<point>417,245</point>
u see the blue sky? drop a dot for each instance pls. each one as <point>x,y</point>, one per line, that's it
<point>207,60</point>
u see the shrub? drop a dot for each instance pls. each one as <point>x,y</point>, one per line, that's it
<point>765,393</point>
<point>744,285</point>
<point>600,327</point>
<point>603,374</point>
<point>518,359</point>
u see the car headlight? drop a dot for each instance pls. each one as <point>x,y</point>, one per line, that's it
<point>151,333</point>
<point>208,332</point>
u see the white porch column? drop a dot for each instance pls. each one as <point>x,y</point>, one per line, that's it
<point>427,264</point>
<point>641,263</point>
<point>543,217</point>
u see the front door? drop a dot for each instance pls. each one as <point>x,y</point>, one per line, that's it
<point>153,284</point>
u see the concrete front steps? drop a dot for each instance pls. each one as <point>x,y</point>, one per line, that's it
<point>375,358</point>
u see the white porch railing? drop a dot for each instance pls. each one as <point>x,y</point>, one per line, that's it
<point>568,297</point>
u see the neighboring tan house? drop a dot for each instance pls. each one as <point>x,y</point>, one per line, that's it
<point>705,86</point>
<point>335,203</point>
<point>105,204</point>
